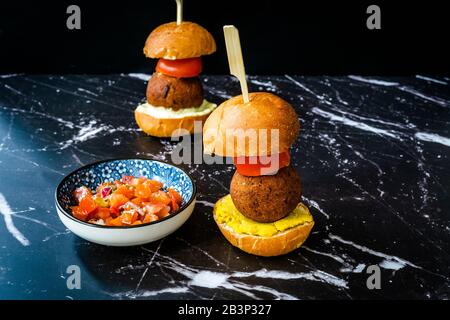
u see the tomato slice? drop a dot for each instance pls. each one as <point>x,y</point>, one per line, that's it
<point>181,68</point>
<point>262,165</point>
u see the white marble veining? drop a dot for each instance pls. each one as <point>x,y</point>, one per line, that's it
<point>374,81</point>
<point>432,137</point>
<point>7,214</point>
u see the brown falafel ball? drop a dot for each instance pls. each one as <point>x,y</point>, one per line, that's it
<point>266,198</point>
<point>175,93</point>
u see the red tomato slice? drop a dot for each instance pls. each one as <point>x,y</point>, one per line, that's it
<point>263,165</point>
<point>181,68</point>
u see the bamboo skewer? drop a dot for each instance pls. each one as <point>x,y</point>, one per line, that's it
<point>235,59</point>
<point>179,11</point>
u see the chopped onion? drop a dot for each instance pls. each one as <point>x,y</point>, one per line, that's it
<point>105,192</point>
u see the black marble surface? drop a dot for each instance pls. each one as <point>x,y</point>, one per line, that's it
<point>373,155</point>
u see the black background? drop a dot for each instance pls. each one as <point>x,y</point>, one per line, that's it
<point>278,36</point>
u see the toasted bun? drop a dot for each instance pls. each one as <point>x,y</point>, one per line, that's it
<point>276,245</point>
<point>264,111</point>
<point>165,127</point>
<point>172,41</point>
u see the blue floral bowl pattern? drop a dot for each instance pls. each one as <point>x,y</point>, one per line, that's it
<point>93,174</point>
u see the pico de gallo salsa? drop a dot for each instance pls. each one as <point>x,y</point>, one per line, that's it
<point>129,201</point>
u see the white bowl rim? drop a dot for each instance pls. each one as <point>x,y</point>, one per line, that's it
<point>93,225</point>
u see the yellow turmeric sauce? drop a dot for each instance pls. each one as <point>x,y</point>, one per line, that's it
<point>226,212</point>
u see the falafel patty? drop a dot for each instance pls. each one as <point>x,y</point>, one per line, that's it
<point>175,93</point>
<point>266,198</point>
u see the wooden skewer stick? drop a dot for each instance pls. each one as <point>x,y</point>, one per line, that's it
<point>179,11</point>
<point>235,59</point>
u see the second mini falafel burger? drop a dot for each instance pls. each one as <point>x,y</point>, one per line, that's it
<point>174,92</point>
<point>263,214</point>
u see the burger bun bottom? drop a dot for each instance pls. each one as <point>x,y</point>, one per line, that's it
<point>276,245</point>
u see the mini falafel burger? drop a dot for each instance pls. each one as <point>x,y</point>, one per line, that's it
<point>174,92</point>
<point>263,214</point>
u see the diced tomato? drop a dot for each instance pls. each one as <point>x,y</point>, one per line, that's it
<point>142,191</point>
<point>103,213</point>
<point>115,212</point>
<point>164,212</point>
<point>79,213</point>
<point>175,199</point>
<point>173,203</point>
<point>81,192</point>
<point>117,200</point>
<point>137,181</point>
<point>108,220</point>
<point>127,179</point>
<point>160,197</point>
<point>128,218</point>
<point>117,222</point>
<point>150,218</point>
<point>145,189</point>
<point>88,204</point>
<point>138,201</point>
<point>175,206</point>
<point>154,185</point>
<point>175,194</point>
<point>262,165</point>
<point>152,208</point>
<point>180,68</point>
<point>126,191</point>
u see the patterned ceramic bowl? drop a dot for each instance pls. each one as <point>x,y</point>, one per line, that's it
<point>93,174</point>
